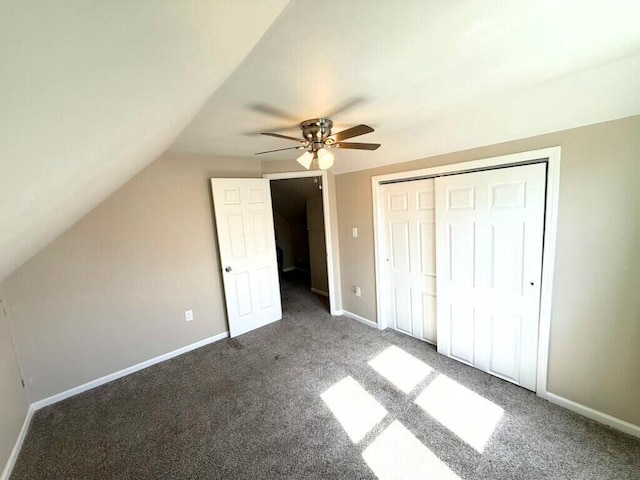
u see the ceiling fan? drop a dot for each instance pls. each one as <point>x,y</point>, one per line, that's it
<point>317,139</point>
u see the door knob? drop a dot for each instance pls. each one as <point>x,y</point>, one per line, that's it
<point>227,269</point>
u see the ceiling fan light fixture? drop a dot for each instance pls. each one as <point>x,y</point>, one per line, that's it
<point>325,159</point>
<point>317,139</point>
<point>305,159</point>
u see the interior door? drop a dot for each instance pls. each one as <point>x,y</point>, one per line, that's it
<point>409,219</point>
<point>489,231</point>
<point>246,239</point>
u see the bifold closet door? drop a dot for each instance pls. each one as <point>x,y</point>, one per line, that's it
<point>489,231</point>
<point>409,221</point>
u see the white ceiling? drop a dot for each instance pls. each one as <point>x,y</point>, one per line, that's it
<point>430,76</point>
<point>91,92</point>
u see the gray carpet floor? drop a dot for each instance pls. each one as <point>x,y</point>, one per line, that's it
<point>257,412</point>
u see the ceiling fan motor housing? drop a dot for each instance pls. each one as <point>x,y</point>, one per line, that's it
<point>315,131</point>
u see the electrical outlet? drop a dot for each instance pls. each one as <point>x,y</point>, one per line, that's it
<point>357,292</point>
<point>188,315</point>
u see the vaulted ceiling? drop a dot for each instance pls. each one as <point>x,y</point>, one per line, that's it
<point>430,76</point>
<point>91,92</point>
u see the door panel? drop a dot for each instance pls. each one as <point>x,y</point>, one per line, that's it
<point>242,292</point>
<point>429,315</point>
<point>400,247</point>
<point>507,258</point>
<point>505,346</point>
<point>403,314</point>
<point>246,240</point>
<point>491,225</point>
<point>462,327</point>
<point>259,231</point>
<point>411,260</point>
<point>427,248</point>
<point>461,244</point>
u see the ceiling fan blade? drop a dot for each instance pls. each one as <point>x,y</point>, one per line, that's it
<point>344,106</point>
<point>351,132</point>
<point>283,136</point>
<point>357,146</point>
<point>280,149</point>
<point>273,111</point>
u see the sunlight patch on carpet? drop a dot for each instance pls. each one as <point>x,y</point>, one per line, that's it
<point>356,410</point>
<point>470,416</point>
<point>397,454</point>
<point>402,369</point>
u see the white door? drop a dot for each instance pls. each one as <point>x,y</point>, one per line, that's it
<point>246,239</point>
<point>489,228</point>
<point>409,220</point>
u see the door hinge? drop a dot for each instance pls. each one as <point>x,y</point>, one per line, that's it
<point>22,380</point>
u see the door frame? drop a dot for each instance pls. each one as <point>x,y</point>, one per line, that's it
<point>326,212</point>
<point>550,156</point>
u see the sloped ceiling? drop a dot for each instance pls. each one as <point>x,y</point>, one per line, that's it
<point>430,76</point>
<point>91,92</point>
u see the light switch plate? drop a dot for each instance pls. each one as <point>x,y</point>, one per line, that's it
<point>354,232</point>
<point>188,315</point>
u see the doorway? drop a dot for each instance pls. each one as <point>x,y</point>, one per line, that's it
<point>321,233</point>
<point>298,218</point>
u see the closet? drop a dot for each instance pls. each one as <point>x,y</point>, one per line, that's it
<point>464,259</point>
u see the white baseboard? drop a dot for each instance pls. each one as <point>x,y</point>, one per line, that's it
<point>122,373</point>
<point>6,473</point>
<point>596,415</point>
<point>360,319</point>
<point>8,468</point>
<point>320,292</point>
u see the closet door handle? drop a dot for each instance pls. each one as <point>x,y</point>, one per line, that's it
<point>227,269</point>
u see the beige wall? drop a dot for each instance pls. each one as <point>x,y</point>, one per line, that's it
<point>284,240</point>
<point>317,245</point>
<point>111,291</point>
<point>595,326</point>
<point>13,404</point>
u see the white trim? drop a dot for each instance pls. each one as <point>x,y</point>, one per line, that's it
<point>360,319</point>
<point>326,211</point>
<point>122,373</point>
<point>482,164</point>
<point>548,267</point>
<point>596,415</point>
<point>11,461</point>
<point>552,157</point>
<point>320,292</point>
<point>6,473</point>
<point>378,260</point>
<point>298,174</point>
